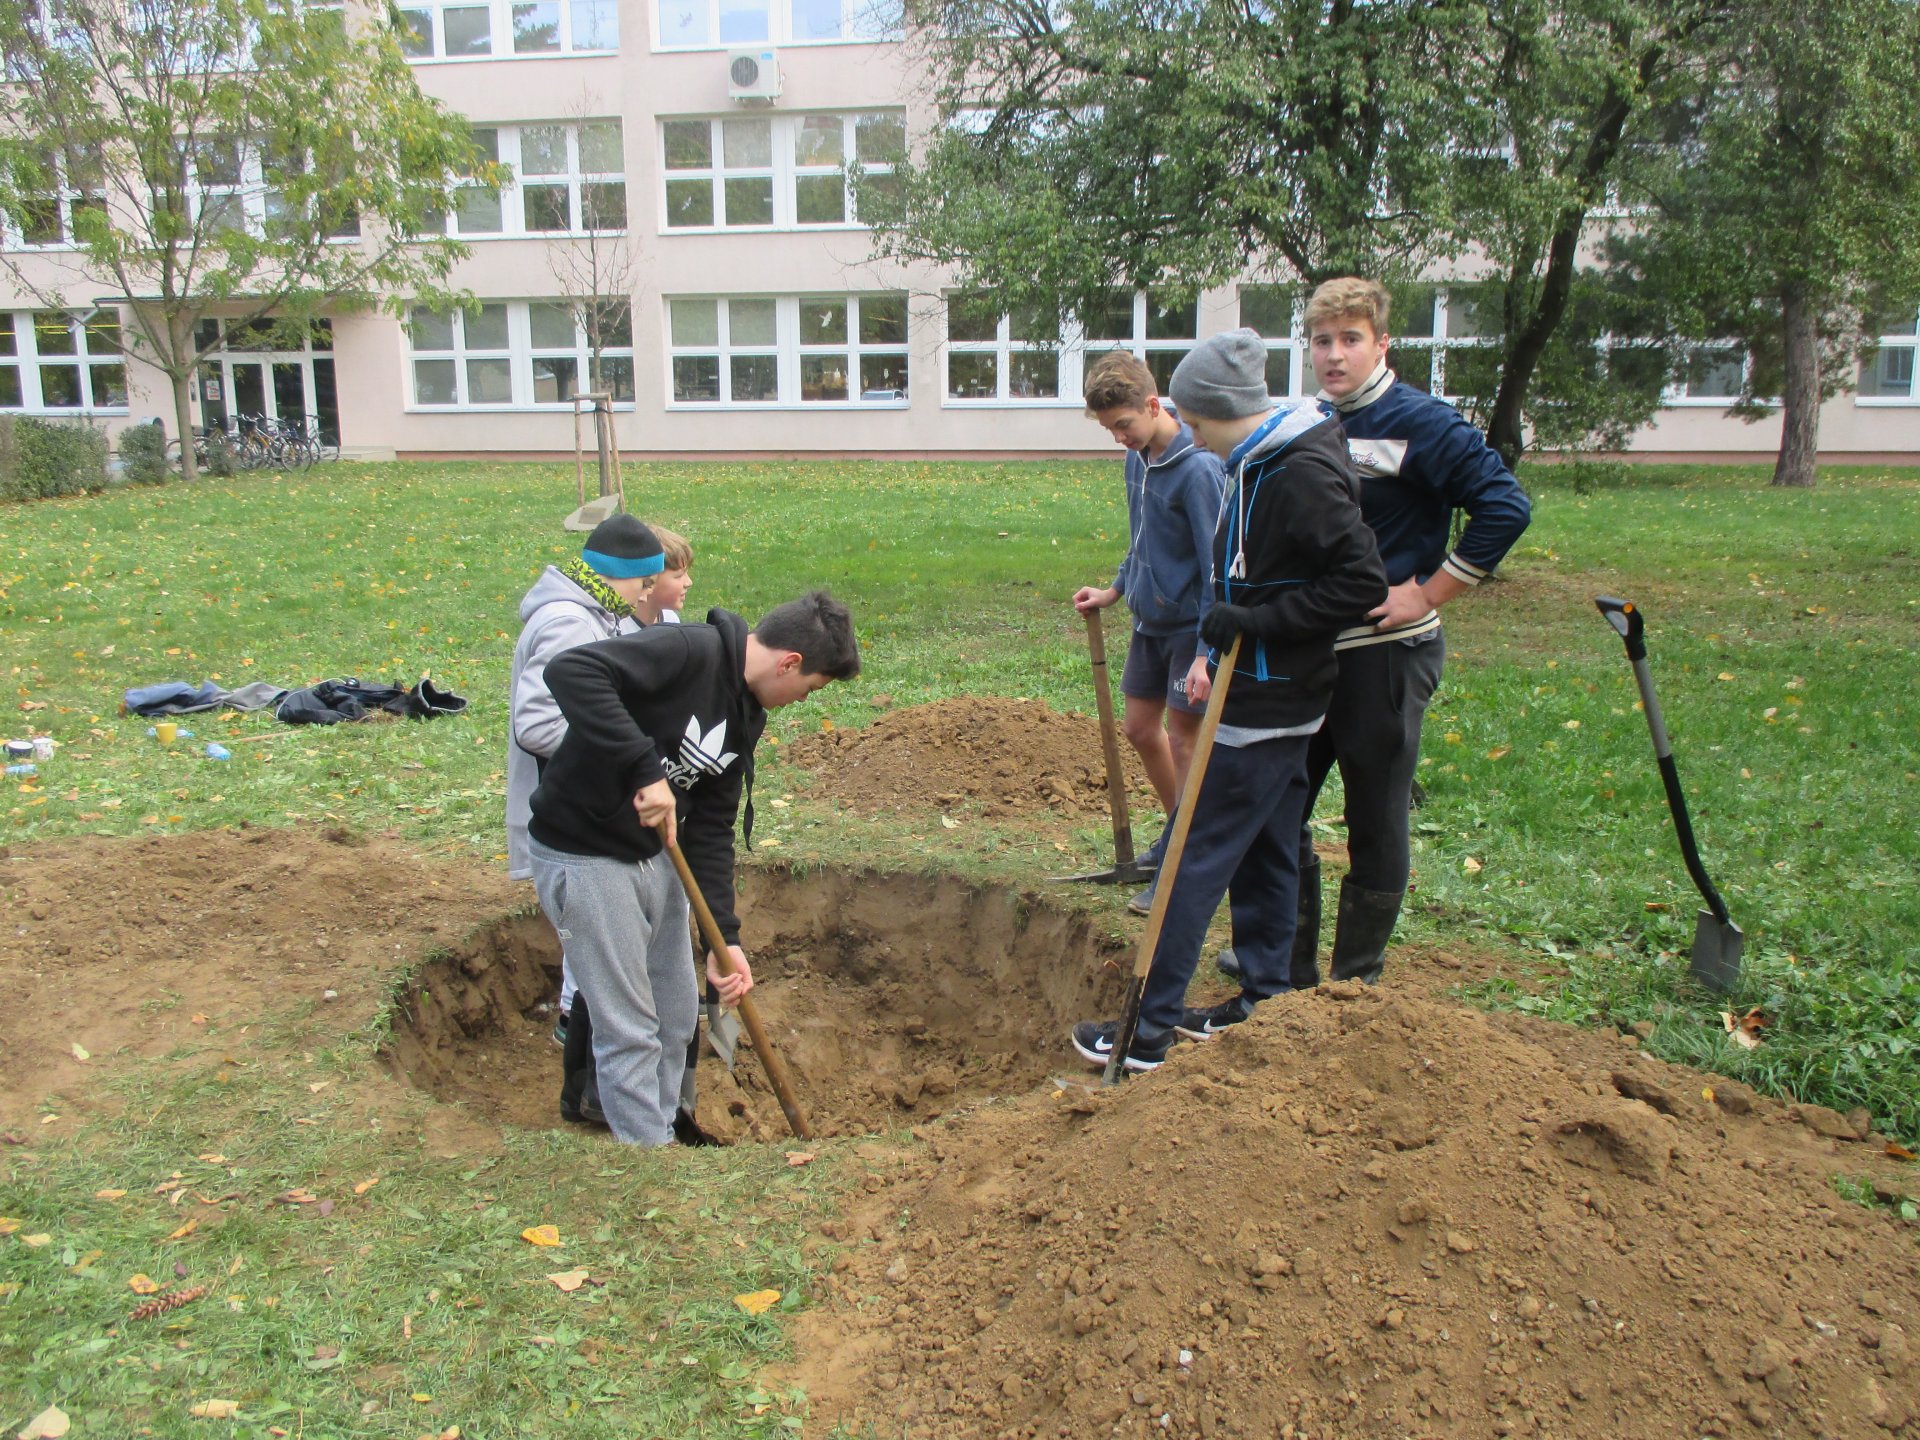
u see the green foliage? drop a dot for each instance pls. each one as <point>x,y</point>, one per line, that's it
<point>143,454</point>
<point>41,459</point>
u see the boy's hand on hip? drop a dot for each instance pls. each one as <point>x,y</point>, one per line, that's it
<point>1406,602</point>
<point>1199,682</point>
<point>655,806</point>
<point>731,987</point>
<point>1089,598</point>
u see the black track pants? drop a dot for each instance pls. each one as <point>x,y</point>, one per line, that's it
<point>1373,734</point>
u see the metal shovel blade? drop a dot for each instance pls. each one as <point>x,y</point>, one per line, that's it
<point>1132,873</point>
<point>1716,952</point>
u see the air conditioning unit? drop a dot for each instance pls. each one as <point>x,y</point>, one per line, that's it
<point>753,75</point>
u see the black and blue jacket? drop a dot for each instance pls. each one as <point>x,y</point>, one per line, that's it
<point>1419,459</point>
<point>1172,503</point>
<point>1292,547</point>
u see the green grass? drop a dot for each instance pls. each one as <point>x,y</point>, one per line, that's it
<point>1802,766</point>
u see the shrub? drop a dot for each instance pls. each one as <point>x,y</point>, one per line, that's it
<point>45,458</point>
<point>143,453</point>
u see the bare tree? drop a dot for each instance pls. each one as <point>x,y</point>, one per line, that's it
<point>598,269</point>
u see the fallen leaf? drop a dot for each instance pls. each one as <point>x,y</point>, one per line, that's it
<point>366,1185</point>
<point>37,1241</point>
<point>569,1280</point>
<point>143,1285</point>
<point>797,1158</point>
<point>1744,1030</point>
<point>1499,752</point>
<point>1571,725</point>
<point>199,1020</point>
<point>548,1235</point>
<point>87,1260</point>
<point>1706,1093</point>
<point>1654,907</point>
<point>1471,865</point>
<point>317,1086</point>
<point>50,1424</point>
<point>1898,1151</point>
<point>758,1302</point>
<point>949,822</point>
<point>108,1194</point>
<point>298,1197</point>
<point>215,1409</point>
<point>1725,675</point>
<point>238,1262</point>
<point>8,1224</point>
<point>325,1207</point>
<point>212,1158</point>
<point>421,1397</point>
<point>80,1052</point>
<point>185,1230</point>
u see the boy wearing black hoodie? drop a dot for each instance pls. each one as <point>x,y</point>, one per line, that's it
<point>661,727</point>
<point>1293,564</point>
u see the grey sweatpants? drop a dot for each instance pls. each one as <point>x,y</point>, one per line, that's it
<point>624,927</point>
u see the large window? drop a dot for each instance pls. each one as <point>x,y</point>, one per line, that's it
<point>1886,367</point>
<point>1156,332</point>
<point>694,24</point>
<point>1272,310</point>
<point>72,183</point>
<point>996,357</point>
<point>802,350</point>
<point>1446,339</point>
<point>1710,375</point>
<point>511,354</point>
<point>54,362</point>
<point>504,29</point>
<point>785,172</point>
<point>569,180</point>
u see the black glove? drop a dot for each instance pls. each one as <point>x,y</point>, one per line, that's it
<point>1220,624</point>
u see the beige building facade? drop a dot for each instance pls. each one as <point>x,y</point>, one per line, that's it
<point>697,149</point>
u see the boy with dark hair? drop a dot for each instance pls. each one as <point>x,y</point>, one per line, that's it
<point>1292,563</point>
<point>1173,499</point>
<point>1419,460</point>
<point>661,727</point>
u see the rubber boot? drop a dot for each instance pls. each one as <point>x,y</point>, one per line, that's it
<point>1361,930</point>
<point>1304,973</point>
<point>580,1084</point>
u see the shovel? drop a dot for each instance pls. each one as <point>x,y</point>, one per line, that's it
<point>1717,941</point>
<point>1126,870</point>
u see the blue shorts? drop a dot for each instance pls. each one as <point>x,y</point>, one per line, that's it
<point>1157,668</point>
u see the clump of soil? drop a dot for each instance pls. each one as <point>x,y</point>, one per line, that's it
<point>1369,1215</point>
<point>998,757</point>
<point>892,999</point>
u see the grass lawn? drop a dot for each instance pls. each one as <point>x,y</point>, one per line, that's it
<point>1781,629</point>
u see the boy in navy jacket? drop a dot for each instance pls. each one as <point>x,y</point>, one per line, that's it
<point>1292,564</point>
<point>1173,499</point>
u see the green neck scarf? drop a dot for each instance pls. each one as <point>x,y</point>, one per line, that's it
<point>583,575</point>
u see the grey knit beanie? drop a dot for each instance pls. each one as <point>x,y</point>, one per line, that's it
<point>1224,377</point>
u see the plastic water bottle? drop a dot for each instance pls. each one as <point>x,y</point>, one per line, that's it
<point>217,751</point>
<point>23,770</point>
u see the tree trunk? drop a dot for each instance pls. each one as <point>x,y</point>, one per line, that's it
<point>183,423</point>
<point>1800,394</point>
<point>1504,432</point>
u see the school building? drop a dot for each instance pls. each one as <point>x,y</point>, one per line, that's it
<point>699,147</point>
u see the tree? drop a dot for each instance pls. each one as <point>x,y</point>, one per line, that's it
<point>251,159</point>
<point>1169,144</point>
<point>1790,216</point>
<point>599,269</point>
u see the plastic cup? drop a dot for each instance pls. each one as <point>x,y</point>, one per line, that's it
<point>43,747</point>
<point>164,731</point>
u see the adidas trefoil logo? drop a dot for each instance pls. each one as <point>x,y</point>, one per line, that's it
<point>701,753</point>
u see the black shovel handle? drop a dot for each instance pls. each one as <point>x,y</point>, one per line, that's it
<point>1624,617</point>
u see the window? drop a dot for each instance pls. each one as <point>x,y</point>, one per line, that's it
<point>570,181</point>
<point>1272,310</point>
<point>513,353</point>
<point>785,172</point>
<point>807,350</point>
<point>693,24</point>
<point>482,29</point>
<point>1886,367</point>
<point>1158,333</point>
<point>73,182</point>
<point>995,356</point>
<point>51,361</point>
<point>1709,373</point>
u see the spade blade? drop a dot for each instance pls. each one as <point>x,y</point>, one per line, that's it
<point>1716,952</point>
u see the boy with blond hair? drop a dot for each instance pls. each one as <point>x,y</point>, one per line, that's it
<point>1173,499</point>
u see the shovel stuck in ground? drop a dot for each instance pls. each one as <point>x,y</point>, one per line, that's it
<point>1717,941</point>
<point>1126,868</point>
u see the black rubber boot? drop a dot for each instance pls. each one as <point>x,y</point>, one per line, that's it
<point>1361,930</point>
<point>580,1085</point>
<point>1304,973</point>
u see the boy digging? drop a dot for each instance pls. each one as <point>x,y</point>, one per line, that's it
<point>659,745</point>
<point>1173,499</point>
<point>1292,563</point>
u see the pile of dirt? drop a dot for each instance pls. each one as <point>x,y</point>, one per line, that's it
<point>996,757</point>
<point>136,947</point>
<point>1370,1215</point>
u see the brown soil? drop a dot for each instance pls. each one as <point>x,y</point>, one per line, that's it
<point>131,948</point>
<point>1365,1214</point>
<point>999,758</point>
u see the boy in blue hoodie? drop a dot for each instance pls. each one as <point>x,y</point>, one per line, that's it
<point>1293,564</point>
<point>1173,499</point>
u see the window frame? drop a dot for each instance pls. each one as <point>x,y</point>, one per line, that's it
<point>65,196</point>
<point>509,151</point>
<point>789,351</point>
<point>1293,344</point>
<point>1907,340</point>
<point>520,353</point>
<point>500,31</point>
<point>26,360</point>
<point>783,174</point>
<point>861,23</point>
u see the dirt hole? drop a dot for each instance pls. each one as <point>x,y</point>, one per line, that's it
<point>892,999</point>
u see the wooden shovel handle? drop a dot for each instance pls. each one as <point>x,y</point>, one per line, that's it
<point>749,1013</point>
<point>1110,742</point>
